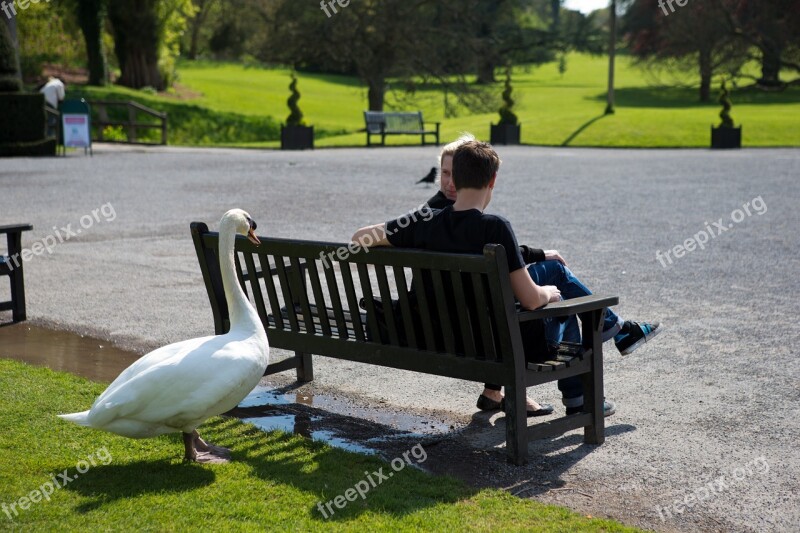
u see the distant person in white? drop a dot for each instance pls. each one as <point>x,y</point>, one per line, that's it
<point>53,92</point>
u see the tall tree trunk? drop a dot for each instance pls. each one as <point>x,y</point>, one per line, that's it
<point>137,39</point>
<point>91,15</point>
<point>770,63</point>
<point>375,93</point>
<point>10,80</point>
<point>485,72</point>
<point>706,73</point>
<point>196,23</point>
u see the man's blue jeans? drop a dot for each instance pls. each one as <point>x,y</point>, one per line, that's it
<point>557,330</point>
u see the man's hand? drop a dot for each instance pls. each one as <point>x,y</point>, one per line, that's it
<point>554,255</point>
<point>553,293</point>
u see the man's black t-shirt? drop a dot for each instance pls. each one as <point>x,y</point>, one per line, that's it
<point>453,231</point>
<point>529,255</point>
<point>467,231</point>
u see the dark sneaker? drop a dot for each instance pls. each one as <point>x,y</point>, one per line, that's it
<point>609,408</point>
<point>634,334</point>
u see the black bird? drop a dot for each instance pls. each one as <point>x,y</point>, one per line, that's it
<point>430,178</point>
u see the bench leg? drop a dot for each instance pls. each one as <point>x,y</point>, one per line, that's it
<point>593,381</point>
<point>516,423</point>
<point>17,279</point>
<point>305,368</point>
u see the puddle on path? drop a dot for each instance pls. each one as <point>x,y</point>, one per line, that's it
<point>67,352</point>
<point>336,421</point>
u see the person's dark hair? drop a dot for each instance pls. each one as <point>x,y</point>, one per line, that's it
<point>474,165</point>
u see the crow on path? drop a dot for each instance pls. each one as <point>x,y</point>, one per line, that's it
<point>430,178</point>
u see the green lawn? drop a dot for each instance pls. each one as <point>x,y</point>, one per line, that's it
<point>273,484</point>
<point>554,110</point>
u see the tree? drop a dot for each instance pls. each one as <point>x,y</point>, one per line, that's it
<point>10,81</point>
<point>91,18</point>
<point>773,26</point>
<point>412,40</point>
<point>203,8</point>
<point>138,33</point>
<point>696,37</point>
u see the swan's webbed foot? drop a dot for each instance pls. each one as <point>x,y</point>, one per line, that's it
<point>203,446</point>
<point>199,451</point>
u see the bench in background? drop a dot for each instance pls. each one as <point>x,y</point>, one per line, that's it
<point>308,299</point>
<point>397,123</point>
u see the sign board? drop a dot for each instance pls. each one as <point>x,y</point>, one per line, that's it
<point>76,130</point>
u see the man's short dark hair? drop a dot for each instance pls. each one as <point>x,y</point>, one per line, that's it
<point>474,165</point>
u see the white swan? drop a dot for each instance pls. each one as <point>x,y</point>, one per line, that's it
<point>179,386</point>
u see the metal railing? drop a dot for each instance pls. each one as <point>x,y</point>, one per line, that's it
<point>132,125</point>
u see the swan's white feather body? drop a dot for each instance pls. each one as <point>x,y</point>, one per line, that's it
<point>177,387</point>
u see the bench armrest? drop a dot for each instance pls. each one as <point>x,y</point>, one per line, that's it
<point>15,228</point>
<point>573,306</point>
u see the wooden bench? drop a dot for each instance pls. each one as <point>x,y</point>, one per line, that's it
<point>396,123</point>
<point>11,266</point>
<point>308,299</point>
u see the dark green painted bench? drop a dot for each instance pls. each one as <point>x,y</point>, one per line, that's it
<point>310,305</point>
<point>397,123</point>
<point>11,266</point>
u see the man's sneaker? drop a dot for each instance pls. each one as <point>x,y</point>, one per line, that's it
<point>609,408</point>
<point>634,334</point>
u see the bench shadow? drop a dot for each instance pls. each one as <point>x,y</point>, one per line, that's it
<point>547,459</point>
<point>315,468</point>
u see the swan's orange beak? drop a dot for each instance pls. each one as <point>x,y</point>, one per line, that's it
<point>252,237</point>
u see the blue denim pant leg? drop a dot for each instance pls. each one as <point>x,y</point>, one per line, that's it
<point>552,272</point>
<point>558,330</point>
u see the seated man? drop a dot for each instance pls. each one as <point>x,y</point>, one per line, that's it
<point>464,228</point>
<point>548,267</point>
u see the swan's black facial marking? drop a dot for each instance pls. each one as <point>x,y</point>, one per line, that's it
<point>252,223</point>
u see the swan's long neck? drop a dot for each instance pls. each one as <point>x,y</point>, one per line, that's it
<point>240,311</point>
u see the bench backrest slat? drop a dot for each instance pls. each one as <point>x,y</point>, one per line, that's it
<point>335,299</point>
<point>434,303</point>
<point>487,333</point>
<point>444,310</point>
<point>425,312</point>
<point>462,308</point>
<point>405,306</point>
<point>255,287</point>
<point>269,282</point>
<point>352,301</point>
<point>316,286</point>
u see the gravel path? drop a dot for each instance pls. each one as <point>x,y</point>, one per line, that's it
<point>707,414</point>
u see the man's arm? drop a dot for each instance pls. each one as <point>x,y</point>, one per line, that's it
<point>529,294</point>
<point>535,255</point>
<point>370,236</point>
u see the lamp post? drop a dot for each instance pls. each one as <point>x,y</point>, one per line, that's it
<point>612,52</point>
